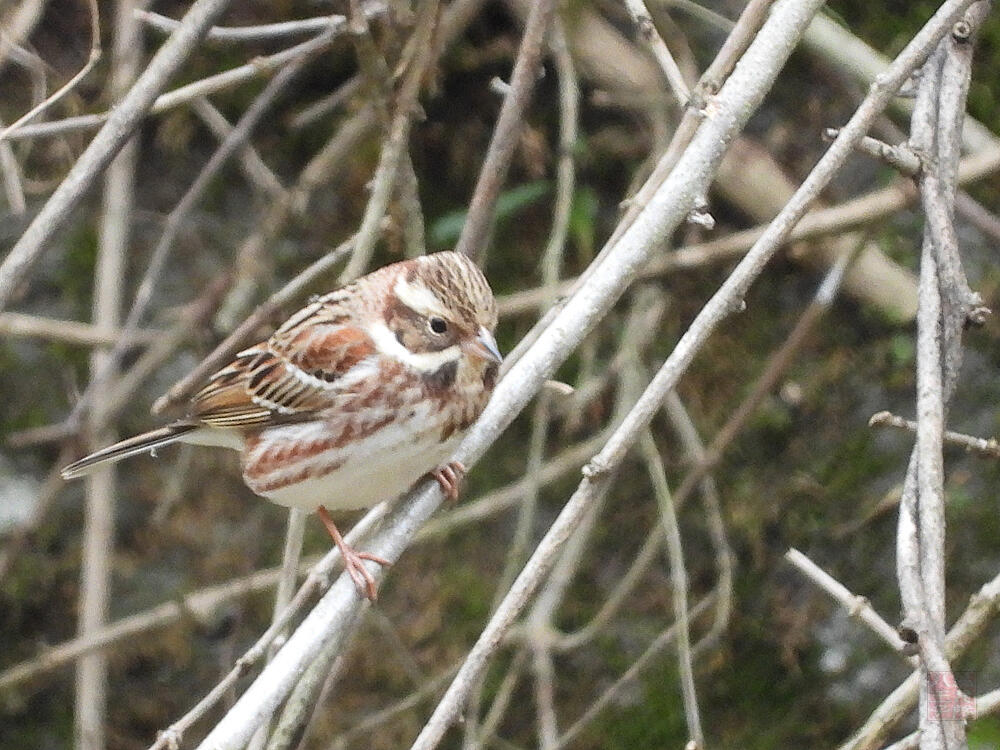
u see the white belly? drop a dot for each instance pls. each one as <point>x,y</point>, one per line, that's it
<point>379,467</point>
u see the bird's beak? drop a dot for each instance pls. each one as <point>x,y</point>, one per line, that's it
<point>485,347</point>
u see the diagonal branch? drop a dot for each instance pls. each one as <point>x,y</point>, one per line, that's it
<point>479,218</point>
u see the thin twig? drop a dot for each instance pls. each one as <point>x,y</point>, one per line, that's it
<point>396,142</point>
<point>900,157</point>
<point>121,122</point>
<point>504,695</point>
<point>259,174</point>
<point>679,584</point>
<point>613,602</point>
<point>12,178</point>
<point>983,607</point>
<point>978,215</point>
<point>412,221</point>
<point>101,487</point>
<point>988,447</point>
<point>857,606</point>
<point>257,33</point>
<point>683,425</point>
<point>379,718</point>
<point>649,34</point>
<point>18,26</point>
<point>482,206</point>
<point>92,60</point>
<point>613,691</point>
<point>19,325</point>
<point>545,691</point>
<point>324,106</point>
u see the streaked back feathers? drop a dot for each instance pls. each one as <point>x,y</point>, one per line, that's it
<point>420,326</point>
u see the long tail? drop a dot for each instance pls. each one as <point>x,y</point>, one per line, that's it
<point>144,443</point>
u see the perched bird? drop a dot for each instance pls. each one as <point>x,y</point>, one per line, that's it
<point>354,398</point>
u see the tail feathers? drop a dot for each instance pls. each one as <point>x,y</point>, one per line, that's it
<point>145,443</point>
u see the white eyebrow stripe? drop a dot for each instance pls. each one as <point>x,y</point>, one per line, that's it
<point>387,343</point>
<point>418,298</point>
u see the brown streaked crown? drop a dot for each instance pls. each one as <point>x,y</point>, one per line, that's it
<point>445,290</point>
<point>459,284</point>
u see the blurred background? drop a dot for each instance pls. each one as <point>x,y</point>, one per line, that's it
<point>783,666</point>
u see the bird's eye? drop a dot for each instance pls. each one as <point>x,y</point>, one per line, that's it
<point>438,325</point>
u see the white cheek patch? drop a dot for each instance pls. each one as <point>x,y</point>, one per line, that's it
<point>434,361</point>
<point>418,298</point>
<point>387,343</point>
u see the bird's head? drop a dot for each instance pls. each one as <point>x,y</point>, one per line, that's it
<point>441,311</point>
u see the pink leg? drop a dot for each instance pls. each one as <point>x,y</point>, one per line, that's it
<point>363,579</point>
<point>450,478</point>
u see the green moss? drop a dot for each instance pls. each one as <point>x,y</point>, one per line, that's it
<point>466,595</point>
<point>654,720</point>
<point>888,26</point>
<point>74,276</point>
<point>984,734</point>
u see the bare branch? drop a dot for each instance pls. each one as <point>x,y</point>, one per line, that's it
<point>479,218</point>
<point>856,606</point>
<point>395,144</point>
<point>258,33</point>
<point>69,331</point>
<point>101,489</point>
<point>649,34</point>
<point>983,607</point>
<point>679,585</point>
<point>92,60</point>
<point>989,447</point>
<point>108,141</point>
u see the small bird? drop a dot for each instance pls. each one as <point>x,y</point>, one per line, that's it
<point>354,398</point>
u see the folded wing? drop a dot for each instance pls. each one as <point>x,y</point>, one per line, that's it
<point>299,371</point>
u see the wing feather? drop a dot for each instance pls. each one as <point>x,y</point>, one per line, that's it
<point>300,370</point>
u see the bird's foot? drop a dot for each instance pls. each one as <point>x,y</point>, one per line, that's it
<point>354,560</point>
<point>450,478</point>
<point>362,577</point>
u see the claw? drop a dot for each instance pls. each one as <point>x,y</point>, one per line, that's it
<point>450,478</point>
<point>353,564</point>
<point>361,576</point>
